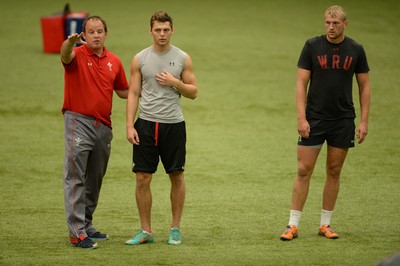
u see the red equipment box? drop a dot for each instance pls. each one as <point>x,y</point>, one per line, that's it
<point>53,33</point>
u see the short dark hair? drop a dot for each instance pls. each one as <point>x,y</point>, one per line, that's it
<point>94,18</point>
<point>161,16</point>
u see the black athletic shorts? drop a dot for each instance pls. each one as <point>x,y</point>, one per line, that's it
<point>337,133</point>
<point>159,140</point>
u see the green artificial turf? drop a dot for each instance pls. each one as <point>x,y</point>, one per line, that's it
<point>241,150</point>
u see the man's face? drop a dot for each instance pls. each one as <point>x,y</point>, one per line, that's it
<point>335,27</point>
<point>161,32</point>
<point>95,34</point>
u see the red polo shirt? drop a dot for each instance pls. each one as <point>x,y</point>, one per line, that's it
<point>90,81</point>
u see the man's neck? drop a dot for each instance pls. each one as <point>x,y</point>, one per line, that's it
<point>161,48</point>
<point>337,40</point>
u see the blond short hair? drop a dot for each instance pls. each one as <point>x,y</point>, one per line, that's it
<point>336,12</point>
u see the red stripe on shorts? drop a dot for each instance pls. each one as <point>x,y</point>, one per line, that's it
<point>156,134</point>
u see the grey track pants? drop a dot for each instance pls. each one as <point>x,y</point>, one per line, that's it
<point>87,150</point>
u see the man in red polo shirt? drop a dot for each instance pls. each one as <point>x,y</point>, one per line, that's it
<point>92,74</point>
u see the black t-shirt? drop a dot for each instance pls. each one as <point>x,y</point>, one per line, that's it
<point>332,69</point>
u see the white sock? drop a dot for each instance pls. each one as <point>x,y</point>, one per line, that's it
<point>325,217</point>
<point>295,217</point>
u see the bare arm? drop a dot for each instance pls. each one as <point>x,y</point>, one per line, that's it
<point>135,85</point>
<point>365,95</point>
<point>187,86</point>
<point>67,48</point>
<point>303,77</point>
<point>123,94</point>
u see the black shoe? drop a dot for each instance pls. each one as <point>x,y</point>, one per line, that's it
<point>83,242</point>
<point>99,236</point>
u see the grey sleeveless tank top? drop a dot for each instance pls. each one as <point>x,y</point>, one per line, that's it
<point>160,103</point>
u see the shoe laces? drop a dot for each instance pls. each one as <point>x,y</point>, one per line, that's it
<point>87,240</point>
<point>142,233</point>
<point>329,229</point>
<point>86,243</point>
<point>175,233</point>
<point>289,230</point>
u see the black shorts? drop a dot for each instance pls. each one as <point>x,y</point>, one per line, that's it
<point>159,140</point>
<point>337,133</point>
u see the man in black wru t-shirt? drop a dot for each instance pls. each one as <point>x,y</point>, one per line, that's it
<point>326,113</point>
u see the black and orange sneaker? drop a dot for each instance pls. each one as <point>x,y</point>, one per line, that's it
<point>327,232</point>
<point>290,233</point>
<point>82,242</point>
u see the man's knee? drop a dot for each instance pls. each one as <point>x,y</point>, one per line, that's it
<point>334,171</point>
<point>304,171</point>
<point>177,178</point>
<point>143,179</point>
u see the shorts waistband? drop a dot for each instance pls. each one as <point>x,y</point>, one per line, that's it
<point>160,123</point>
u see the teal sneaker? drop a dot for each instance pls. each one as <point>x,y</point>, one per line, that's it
<point>141,237</point>
<point>175,236</point>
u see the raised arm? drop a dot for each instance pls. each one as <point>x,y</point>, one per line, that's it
<point>67,47</point>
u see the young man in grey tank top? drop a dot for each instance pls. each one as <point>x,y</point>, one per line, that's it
<point>160,75</point>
